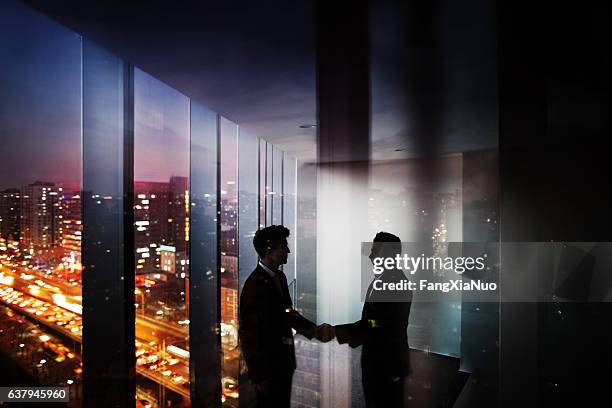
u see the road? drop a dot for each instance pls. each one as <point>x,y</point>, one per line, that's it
<point>38,303</point>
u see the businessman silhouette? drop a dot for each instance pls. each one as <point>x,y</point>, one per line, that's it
<point>382,330</point>
<point>266,317</point>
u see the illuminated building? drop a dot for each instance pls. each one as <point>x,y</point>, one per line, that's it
<point>168,258</point>
<point>178,208</point>
<point>151,226</point>
<point>10,208</point>
<point>39,226</point>
<point>229,311</point>
<point>69,224</point>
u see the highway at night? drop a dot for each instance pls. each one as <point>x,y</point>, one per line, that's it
<point>44,302</point>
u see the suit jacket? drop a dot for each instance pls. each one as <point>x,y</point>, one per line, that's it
<point>266,317</point>
<point>382,330</point>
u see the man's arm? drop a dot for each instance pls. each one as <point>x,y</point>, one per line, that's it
<point>301,324</point>
<point>308,329</point>
<point>351,333</point>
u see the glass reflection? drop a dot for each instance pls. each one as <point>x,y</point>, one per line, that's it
<point>427,207</point>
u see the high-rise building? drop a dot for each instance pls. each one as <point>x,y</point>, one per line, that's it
<point>10,213</point>
<point>229,310</point>
<point>39,221</point>
<point>69,224</point>
<point>178,213</point>
<point>168,259</point>
<point>151,223</point>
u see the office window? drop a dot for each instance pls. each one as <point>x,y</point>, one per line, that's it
<point>262,183</point>
<point>228,247</point>
<point>40,201</point>
<point>204,277</point>
<point>289,215</point>
<point>307,380</point>
<point>277,186</point>
<point>248,151</point>
<point>124,177</point>
<point>161,238</point>
<point>269,183</point>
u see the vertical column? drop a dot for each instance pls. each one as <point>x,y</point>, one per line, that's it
<point>343,151</point>
<point>522,126</point>
<point>480,320</point>
<point>108,237</point>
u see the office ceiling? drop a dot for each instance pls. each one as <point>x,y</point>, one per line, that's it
<point>254,62</point>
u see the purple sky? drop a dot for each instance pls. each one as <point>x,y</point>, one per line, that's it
<point>40,103</point>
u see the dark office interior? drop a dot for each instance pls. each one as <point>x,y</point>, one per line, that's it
<point>439,121</point>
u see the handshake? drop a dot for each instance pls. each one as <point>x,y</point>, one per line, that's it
<point>325,333</point>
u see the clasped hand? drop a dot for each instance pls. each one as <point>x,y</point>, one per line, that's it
<point>325,333</point>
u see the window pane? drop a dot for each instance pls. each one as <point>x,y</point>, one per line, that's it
<point>229,258</point>
<point>104,248</point>
<point>289,185</point>
<point>277,186</point>
<point>161,214</point>
<point>204,279</point>
<point>306,244</point>
<point>40,201</point>
<point>306,388</point>
<point>269,181</point>
<point>421,210</point>
<point>263,195</point>
<point>248,203</point>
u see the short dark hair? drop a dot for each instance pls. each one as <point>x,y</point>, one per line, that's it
<point>269,237</point>
<point>392,246</point>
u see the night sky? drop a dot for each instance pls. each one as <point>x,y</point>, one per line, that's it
<point>40,104</point>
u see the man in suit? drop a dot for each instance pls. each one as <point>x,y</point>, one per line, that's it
<point>382,330</point>
<point>266,319</point>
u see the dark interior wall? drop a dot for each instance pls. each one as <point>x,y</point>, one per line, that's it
<point>554,105</point>
<point>480,320</point>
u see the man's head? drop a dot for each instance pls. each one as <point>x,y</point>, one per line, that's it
<point>385,245</point>
<point>271,245</point>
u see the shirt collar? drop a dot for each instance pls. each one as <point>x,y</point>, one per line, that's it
<point>268,270</point>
